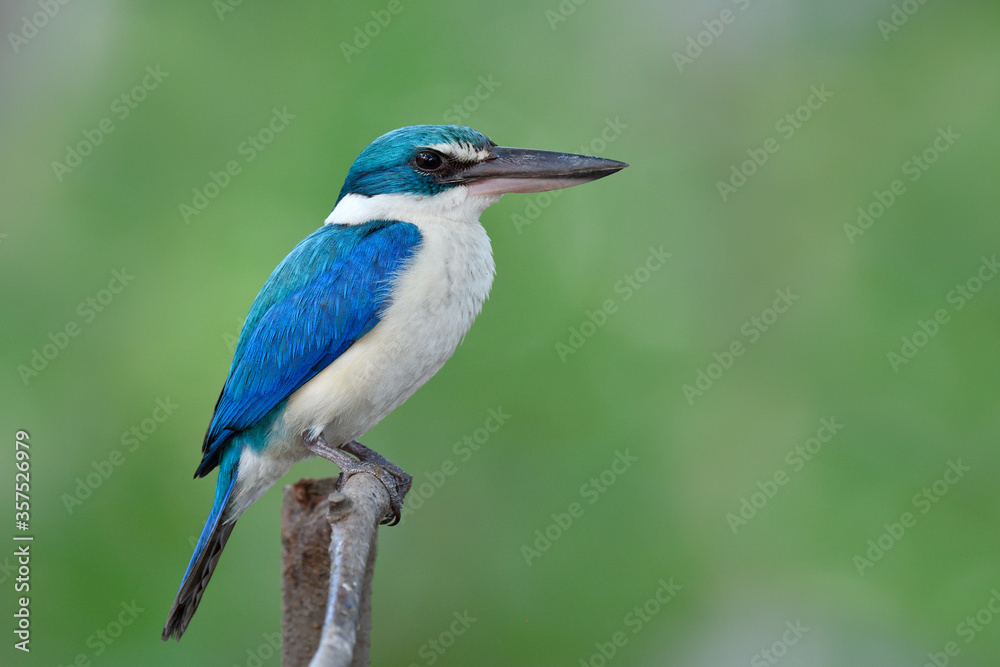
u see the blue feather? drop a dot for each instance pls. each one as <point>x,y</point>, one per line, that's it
<point>326,294</point>
<point>384,166</point>
<point>223,490</point>
<point>206,553</point>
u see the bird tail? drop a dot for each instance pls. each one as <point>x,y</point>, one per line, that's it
<point>205,558</point>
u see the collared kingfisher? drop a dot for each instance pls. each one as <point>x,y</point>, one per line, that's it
<point>359,315</point>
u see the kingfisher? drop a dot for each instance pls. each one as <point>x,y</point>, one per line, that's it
<point>359,315</point>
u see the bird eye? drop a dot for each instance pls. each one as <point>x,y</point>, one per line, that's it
<point>428,161</point>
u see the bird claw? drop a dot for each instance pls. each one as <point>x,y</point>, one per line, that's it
<point>397,485</point>
<point>395,480</point>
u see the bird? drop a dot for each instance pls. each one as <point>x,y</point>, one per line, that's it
<point>359,315</point>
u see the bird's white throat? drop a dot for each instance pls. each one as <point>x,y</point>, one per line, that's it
<point>455,204</point>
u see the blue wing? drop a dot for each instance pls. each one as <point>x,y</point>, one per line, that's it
<point>326,294</point>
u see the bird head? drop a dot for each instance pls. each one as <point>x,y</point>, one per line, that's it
<point>452,171</point>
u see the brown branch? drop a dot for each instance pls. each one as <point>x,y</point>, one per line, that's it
<point>328,560</point>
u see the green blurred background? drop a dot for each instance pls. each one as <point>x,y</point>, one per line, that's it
<point>606,78</point>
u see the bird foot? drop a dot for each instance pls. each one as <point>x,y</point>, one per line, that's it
<point>396,480</point>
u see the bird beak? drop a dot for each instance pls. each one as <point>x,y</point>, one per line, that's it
<point>527,170</point>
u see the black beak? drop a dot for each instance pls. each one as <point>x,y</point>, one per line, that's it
<point>527,170</point>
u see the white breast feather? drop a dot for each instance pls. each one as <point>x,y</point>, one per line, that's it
<point>435,299</point>
<point>433,304</point>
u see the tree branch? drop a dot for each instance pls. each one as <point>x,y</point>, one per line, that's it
<point>328,560</point>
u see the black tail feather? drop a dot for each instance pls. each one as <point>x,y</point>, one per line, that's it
<point>195,581</point>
